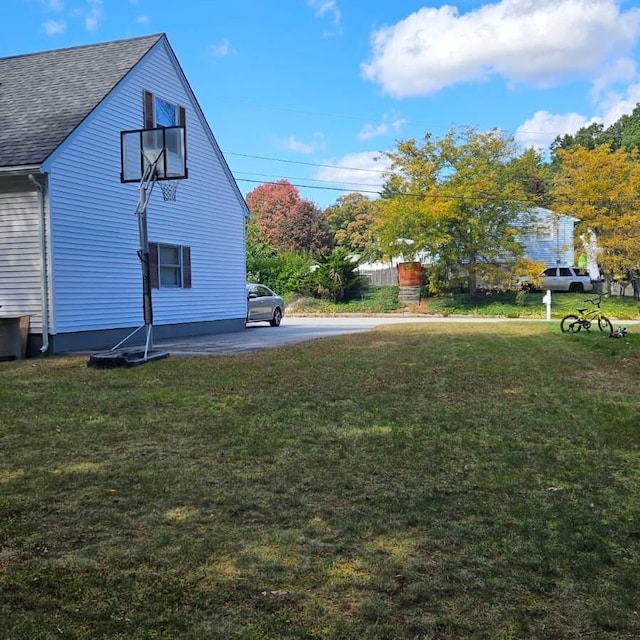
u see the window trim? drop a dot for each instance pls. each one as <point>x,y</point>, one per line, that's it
<point>155,266</point>
<point>149,111</point>
<point>174,269</point>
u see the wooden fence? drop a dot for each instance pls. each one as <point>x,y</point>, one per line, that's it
<point>381,276</point>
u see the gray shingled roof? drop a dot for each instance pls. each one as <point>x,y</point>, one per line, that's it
<point>45,96</point>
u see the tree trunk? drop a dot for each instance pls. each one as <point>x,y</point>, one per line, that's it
<point>472,275</point>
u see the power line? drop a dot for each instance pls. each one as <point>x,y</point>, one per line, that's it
<point>480,197</point>
<point>308,186</point>
<point>290,178</point>
<point>308,164</point>
<point>368,189</point>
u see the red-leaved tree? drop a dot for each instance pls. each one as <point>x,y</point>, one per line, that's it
<point>286,221</point>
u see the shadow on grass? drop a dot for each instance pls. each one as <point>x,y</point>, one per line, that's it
<point>416,481</point>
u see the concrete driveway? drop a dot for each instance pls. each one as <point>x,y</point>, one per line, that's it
<point>293,329</point>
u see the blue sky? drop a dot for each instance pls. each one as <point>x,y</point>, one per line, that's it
<point>315,90</point>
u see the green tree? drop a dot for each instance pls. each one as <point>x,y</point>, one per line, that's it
<point>463,198</point>
<point>350,222</point>
<point>590,136</point>
<point>630,130</point>
<point>624,133</point>
<point>533,174</point>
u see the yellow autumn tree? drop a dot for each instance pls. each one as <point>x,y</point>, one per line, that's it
<point>601,189</point>
<point>462,198</point>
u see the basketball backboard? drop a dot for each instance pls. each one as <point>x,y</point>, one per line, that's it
<point>140,147</point>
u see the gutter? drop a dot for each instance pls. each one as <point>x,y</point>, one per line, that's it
<point>43,264</point>
<point>19,169</point>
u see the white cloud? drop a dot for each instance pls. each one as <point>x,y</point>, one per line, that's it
<point>622,71</point>
<point>94,15</point>
<point>142,19</point>
<point>543,128</point>
<point>293,144</point>
<point>614,104</point>
<point>329,8</point>
<point>364,171</point>
<point>222,49</point>
<point>370,131</point>
<point>52,5</point>
<point>540,42</point>
<point>55,27</point>
<point>392,124</point>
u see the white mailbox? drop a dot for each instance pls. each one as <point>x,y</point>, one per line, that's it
<point>546,300</point>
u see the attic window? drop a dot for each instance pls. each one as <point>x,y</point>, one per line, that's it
<point>161,113</point>
<point>166,113</point>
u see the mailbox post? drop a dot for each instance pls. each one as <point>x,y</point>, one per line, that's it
<point>546,300</point>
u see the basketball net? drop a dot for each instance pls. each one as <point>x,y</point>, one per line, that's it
<point>169,189</point>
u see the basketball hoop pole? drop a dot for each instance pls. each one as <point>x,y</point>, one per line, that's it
<point>145,188</point>
<point>147,156</point>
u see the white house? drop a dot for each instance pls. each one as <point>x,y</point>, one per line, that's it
<point>551,239</point>
<point>68,234</point>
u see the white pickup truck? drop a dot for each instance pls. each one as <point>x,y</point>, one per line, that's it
<point>569,279</point>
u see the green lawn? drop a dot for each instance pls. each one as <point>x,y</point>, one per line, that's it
<point>530,305</point>
<point>384,299</point>
<point>414,482</point>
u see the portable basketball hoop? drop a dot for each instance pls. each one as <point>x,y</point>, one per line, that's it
<point>147,156</point>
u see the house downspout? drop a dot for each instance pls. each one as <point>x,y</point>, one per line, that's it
<point>43,265</point>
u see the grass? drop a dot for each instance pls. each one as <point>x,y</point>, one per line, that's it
<point>528,305</point>
<point>384,299</point>
<point>441,481</point>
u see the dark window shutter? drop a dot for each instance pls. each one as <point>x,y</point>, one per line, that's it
<point>153,265</point>
<point>149,119</point>
<point>182,116</point>
<point>186,267</point>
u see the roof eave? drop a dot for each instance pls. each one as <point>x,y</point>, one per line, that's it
<point>22,169</point>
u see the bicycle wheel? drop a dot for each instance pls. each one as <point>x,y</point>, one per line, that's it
<point>570,323</point>
<point>604,324</point>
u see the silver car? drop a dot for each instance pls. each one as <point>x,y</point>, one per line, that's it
<point>263,305</point>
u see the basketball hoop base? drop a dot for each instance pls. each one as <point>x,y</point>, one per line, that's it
<point>124,358</point>
<point>117,357</point>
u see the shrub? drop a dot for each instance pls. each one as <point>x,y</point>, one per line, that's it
<point>284,272</point>
<point>335,277</point>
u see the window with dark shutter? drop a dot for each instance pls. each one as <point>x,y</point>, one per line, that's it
<point>170,266</point>
<point>186,267</point>
<point>147,110</point>
<point>153,265</point>
<point>160,113</point>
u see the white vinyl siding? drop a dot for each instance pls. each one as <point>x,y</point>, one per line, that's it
<point>20,283</point>
<point>551,241</point>
<point>96,274</point>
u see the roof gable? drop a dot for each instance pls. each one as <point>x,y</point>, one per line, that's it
<point>45,96</point>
